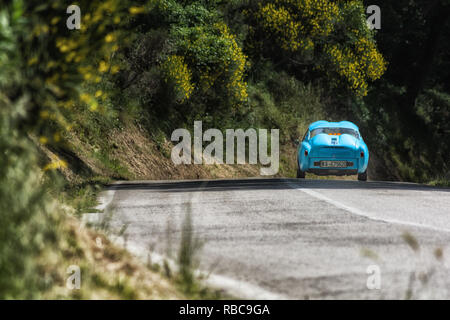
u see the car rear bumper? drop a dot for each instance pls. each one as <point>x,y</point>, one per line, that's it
<point>351,167</point>
<point>334,172</point>
<point>351,163</point>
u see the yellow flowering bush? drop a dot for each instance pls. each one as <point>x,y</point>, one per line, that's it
<point>177,71</point>
<point>234,64</point>
<point>298,23</point>
<point>333,36</point>
<point>73,63</point>
<point>358,65</point>
<point>210,50</point>
<point>216,60</point>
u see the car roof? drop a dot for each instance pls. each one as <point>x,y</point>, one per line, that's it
<point>327,124</point>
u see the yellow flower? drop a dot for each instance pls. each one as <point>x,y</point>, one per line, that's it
<point>55,164</point>
<point>43,140</point>
<point>136,10</point>
<point>109,37</point>
<point>55,20</point>
<point>115,69</point>
<point>44,114</point>
<point>32,61</point>
<point>56,137</point>
<point>98,93</point>
<point>103,67</point>
<point>93,106</point>
<point>85,97</point>
<point>64,48</point>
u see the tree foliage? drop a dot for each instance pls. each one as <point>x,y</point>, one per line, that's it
<point>331,36</point>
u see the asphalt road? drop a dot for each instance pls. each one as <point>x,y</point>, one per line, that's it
<point>297,239</point>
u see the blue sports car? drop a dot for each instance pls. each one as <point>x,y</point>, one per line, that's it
<point>333,148</point>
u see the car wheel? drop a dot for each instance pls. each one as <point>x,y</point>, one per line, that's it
<point>362,176</point>
<point>300,174</point>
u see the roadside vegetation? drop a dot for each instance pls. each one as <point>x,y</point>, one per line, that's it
<point>80,108</point>
<point>424,276</point>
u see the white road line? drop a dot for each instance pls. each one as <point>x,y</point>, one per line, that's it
<point>241,289</point>
<point>236,288</point>
<point>105,198</point>
<point>347,208</point>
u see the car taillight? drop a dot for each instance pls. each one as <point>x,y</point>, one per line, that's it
<point>306,153</point>
<point>362,154</point>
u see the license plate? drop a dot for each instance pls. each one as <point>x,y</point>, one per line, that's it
<point>333,164</point>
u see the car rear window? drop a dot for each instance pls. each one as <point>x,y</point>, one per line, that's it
<point>334,131</point>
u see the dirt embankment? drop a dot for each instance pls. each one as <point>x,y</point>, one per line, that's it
<point>133,155</point>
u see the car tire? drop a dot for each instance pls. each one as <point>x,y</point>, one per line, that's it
<point>300,174</point>
<point>362,176</point>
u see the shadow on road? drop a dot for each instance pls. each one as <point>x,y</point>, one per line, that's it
<point>265,184</point>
